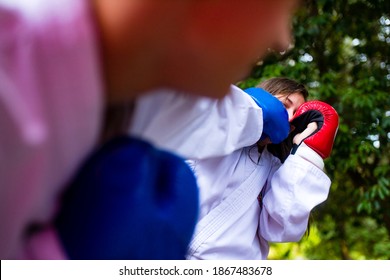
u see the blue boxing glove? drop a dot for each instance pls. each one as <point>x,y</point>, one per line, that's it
<point>275,117</point>
<point>129,201</point>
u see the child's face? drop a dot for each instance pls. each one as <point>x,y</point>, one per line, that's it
<point>291,102</point>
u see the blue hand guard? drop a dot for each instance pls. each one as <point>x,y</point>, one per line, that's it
<point>129,201</point>
<point>275,116</point>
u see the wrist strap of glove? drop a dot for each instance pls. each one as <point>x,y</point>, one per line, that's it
<point>308,154</point>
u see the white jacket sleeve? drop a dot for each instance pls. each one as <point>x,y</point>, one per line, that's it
<point>294,190</point>
<point>198,127</point>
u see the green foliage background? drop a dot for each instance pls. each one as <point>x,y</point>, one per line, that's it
<point>341,52</point>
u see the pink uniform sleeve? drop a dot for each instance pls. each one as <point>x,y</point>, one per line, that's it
<point>50,114</point>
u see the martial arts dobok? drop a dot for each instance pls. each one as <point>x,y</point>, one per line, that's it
<point>247,198</point>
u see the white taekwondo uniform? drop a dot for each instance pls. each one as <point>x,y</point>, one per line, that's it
<point>217,137</point>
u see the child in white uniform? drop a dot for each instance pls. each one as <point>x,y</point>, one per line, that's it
<point>236,221</point>
<point>233,223</point>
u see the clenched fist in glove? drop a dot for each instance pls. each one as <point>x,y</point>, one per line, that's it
<point>275,116</point>
<point>316,125</point>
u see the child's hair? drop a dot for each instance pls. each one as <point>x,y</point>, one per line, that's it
<point>284,86</point>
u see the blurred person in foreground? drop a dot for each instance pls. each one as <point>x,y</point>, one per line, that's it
<point>65,64</point>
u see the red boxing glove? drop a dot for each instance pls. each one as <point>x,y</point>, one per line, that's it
<point>327,119</point>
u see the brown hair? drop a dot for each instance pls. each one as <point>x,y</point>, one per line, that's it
<point>284,86</point>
